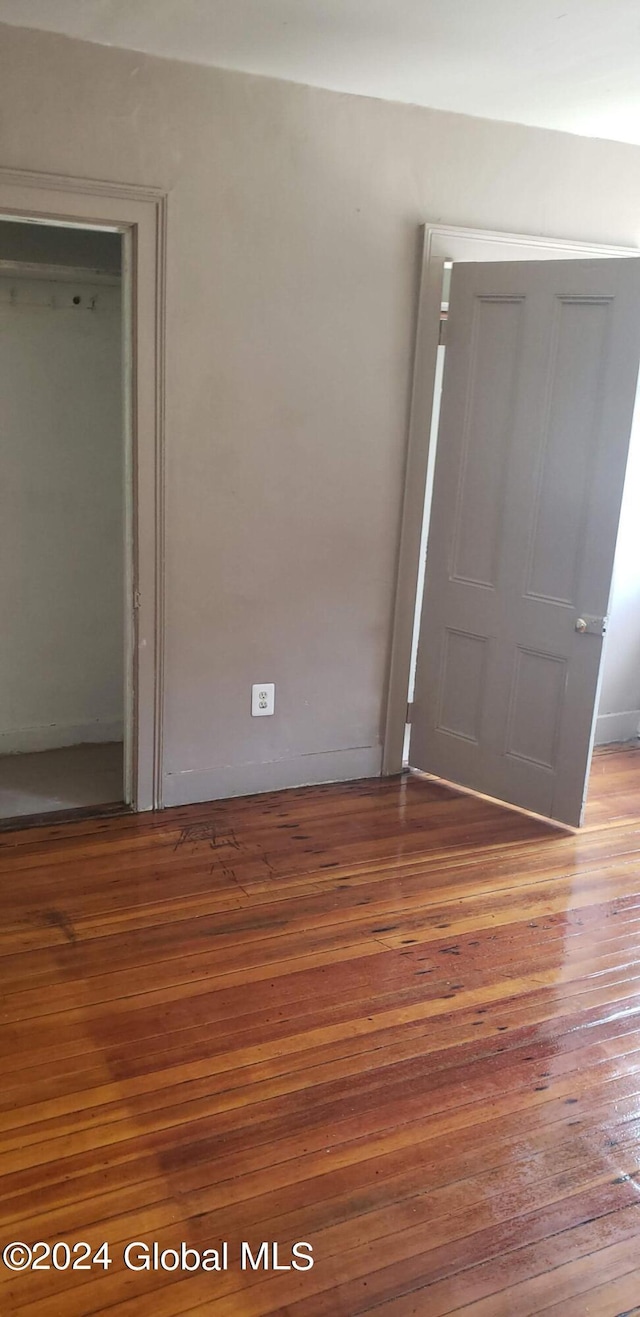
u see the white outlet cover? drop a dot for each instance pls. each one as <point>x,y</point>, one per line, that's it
<point>263,699</point>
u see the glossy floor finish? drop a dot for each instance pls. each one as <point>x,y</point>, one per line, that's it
<point>393,1021</point>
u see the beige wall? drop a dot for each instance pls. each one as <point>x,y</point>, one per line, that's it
<point>292,280</point>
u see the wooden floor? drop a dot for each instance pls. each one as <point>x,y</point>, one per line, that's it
<point>395,1022</point>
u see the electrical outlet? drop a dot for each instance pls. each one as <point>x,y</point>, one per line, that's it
<point>263,699</point>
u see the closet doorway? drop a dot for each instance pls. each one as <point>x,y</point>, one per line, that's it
<point>65,530</point>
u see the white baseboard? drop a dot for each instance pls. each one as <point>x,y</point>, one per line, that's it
<point>195,785</point>
<point>612,727</point>
<point>53,736</point>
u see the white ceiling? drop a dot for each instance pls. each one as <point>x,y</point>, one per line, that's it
<point>569,64</point>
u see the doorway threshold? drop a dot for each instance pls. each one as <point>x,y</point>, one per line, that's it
<point>20,822</point>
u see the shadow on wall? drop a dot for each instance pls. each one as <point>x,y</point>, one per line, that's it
<point>619,711</point>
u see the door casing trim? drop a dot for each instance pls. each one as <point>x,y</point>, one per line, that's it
<point>140,214</point>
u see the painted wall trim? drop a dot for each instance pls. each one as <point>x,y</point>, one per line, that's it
<point>611,727</point>
<point>95,187</point>
<point>441,242</point>
<point>191,787</point>
<point>26,740</point>
<point>59,273</point>
<point>140,212</point>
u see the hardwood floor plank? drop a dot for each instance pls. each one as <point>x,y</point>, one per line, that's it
<point>388,1017</point>
<point>565,1282</point>
<point>532,1270</point>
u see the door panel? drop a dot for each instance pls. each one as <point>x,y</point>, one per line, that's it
<point>486,423</point>
<point>539,390</point>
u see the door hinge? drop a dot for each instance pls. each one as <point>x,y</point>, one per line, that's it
<point>409,712</point>
<point>136,599</point>
<point>442,333</point>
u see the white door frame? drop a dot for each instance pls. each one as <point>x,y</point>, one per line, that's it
<point>442,242</point>
<point>139,214</point>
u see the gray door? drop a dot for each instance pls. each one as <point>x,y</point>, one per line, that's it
<point>539,390</point>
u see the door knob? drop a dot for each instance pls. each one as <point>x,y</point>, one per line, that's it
<point>595,626</point>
